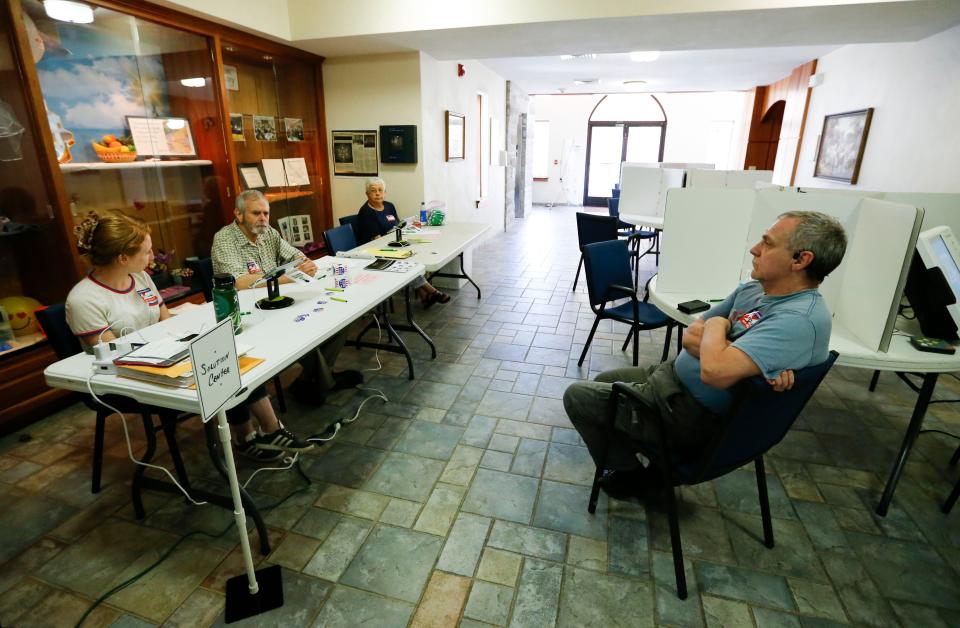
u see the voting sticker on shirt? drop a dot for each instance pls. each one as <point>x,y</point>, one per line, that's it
<point>253,267</point>
<point>741,322</point>
<point>149,296</point>
<point>391,218</point>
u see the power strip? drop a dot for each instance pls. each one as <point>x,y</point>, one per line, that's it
<point>104,353</point>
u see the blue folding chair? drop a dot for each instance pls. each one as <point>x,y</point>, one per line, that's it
<point>606,267</point>
<point>759,419</point>
<point>349,220</point>
<point>339,239</point>
<point>593,228</point>
<point>636,235</point>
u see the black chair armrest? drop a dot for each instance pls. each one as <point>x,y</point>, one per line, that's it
<point>625,291</point>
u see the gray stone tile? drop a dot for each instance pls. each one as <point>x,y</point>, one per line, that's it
<point>389,432</point>
<point>628,553</point>
<point>526,383</point>
<point>464,545</point>
<point>554,387</point>
<point>563,507</point>
<point>316,523</point>
<point>474,388</point>
<point>405,476</point>
<point>566,436</point>
<point>737,491</point>
<point>523,429</point>
<point>549,412</point>
<point>335,554</point>
<point>503,442</point>
<point>456,374</point>
<point>349,607</point>
<point>671,610</point>
<point>512,352</point>
<point>593,599</point>
<point>529,457</point>
<point>522,539</point>
<point>501,495</point>
<point>344,464</point>
<point>792,554</point>
<point>504,405</point>
<point>496,460</point>
<point>430,440</point>
<point>489,603</point>
<point>568,463</point>
<point>407,555</point>
<point>432,394</point>
<point>538,594</point>
<point>767,618</point>
<point>748,586</point>
<point>547,357</point>
<point>479,431</point>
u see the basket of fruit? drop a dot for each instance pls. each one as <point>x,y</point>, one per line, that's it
<point>115,150</point>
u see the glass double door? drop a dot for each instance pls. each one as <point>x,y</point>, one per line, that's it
<point>611,143</point>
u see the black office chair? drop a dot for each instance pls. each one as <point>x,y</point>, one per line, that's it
<point>606,267</point>
<point>593,228</point>
<point>203,268</point>
<point>53,321</point>
<point>339,239</point>
<point>349,220</point>
<point>759,419</point>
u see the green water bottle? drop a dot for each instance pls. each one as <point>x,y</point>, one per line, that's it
<point>226,301</point>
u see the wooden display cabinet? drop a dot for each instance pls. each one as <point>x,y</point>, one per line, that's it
<point>142,60</point>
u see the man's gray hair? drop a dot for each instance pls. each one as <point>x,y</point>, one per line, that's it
<point>249,196</point>
<point>823,236</point>
<point>372,181</point>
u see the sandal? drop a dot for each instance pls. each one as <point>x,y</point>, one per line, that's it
<point>436,297</point>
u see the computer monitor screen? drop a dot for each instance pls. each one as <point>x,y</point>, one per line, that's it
<point>946,262</point>
<point>933,283</point>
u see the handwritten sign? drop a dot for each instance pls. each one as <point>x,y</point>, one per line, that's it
<point>215,365</point>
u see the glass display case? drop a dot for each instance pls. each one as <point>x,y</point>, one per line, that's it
<point>274,126</point>
<point>134,116</point>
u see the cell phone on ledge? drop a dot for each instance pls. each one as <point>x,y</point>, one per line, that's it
<point>693,307</point>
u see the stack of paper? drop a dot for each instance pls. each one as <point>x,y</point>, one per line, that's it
<point>179,375</point>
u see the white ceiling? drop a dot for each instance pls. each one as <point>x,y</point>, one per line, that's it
<point>730,50</point>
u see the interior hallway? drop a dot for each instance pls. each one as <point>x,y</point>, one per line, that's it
<point>462,501</point>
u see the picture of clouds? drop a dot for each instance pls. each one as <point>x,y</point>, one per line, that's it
<point>93,95</point>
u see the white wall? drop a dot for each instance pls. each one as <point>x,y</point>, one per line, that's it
<point>455,182</point>
<point>914,89</point>
<point>701,128</point>
<point>363,93</point>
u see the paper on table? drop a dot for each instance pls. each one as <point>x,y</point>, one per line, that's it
<point>252,178</point>
<point>273,170</point>
<point>296,168</point>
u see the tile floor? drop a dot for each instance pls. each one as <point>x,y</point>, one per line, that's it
<point>462,500</point>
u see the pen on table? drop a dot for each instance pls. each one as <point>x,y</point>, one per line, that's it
<point>335,289</point>
<point>340,300</point>
<point>716,300</point>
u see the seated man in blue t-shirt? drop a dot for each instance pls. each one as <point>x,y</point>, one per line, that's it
<point>770,326</point>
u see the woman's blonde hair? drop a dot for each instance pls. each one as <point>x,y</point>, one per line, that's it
<point>103,238</point>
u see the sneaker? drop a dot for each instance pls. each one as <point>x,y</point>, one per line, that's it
<point>250,450</point>
<point>282,440</point>
<point>347,379</point>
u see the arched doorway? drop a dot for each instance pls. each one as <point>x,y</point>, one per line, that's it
<point>621,127</point>
<point>765,138</point>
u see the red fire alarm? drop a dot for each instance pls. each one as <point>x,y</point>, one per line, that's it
<point>460,70</point>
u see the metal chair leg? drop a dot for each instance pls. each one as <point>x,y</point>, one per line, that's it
<point>874,380</point>
<point>577,276</point>
<point>98,451</point>
<point>626,343</point>
<point>586,347</point>
<point>952,499</point>
<point>281,401</point>
<point>676,544</point>
<point>666,344</point>
<point>636,346</point>
<point>764,501</point>
<point>679,338</point>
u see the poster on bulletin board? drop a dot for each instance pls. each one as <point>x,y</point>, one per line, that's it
<point>354,153</point>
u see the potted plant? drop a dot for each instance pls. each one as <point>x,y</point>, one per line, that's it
<point>181,275</point>
<point>159,268</point>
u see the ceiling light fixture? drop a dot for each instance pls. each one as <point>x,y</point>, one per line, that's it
<point>68,11</point>
<point>587,55</point>
<point>635,82</point>
<point>197,81</point>
<point>644,56</point>
<point>586,81</point>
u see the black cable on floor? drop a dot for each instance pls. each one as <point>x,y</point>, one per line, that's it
<point>932,431</point>
<point>100,600</point>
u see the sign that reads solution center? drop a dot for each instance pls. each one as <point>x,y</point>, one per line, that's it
<point>216,368</point>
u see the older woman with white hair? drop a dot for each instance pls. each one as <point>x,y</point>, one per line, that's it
<point>378,217</point>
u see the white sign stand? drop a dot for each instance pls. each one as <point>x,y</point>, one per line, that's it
<point>217,372</point>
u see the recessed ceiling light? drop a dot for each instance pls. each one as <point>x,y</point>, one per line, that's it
<point>588,55</point>
<point>68,11</point>
<point>635,82</point>
<point>644,56</point>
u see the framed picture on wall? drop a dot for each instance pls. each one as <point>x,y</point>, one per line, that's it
<point>841,145</point>
<point>398,144</point>
<point>456,136</point>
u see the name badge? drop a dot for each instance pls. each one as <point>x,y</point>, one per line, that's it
<point>253,267</point>
<point>391,218</point>
<point>749,319</point>
<point>148,296</point>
